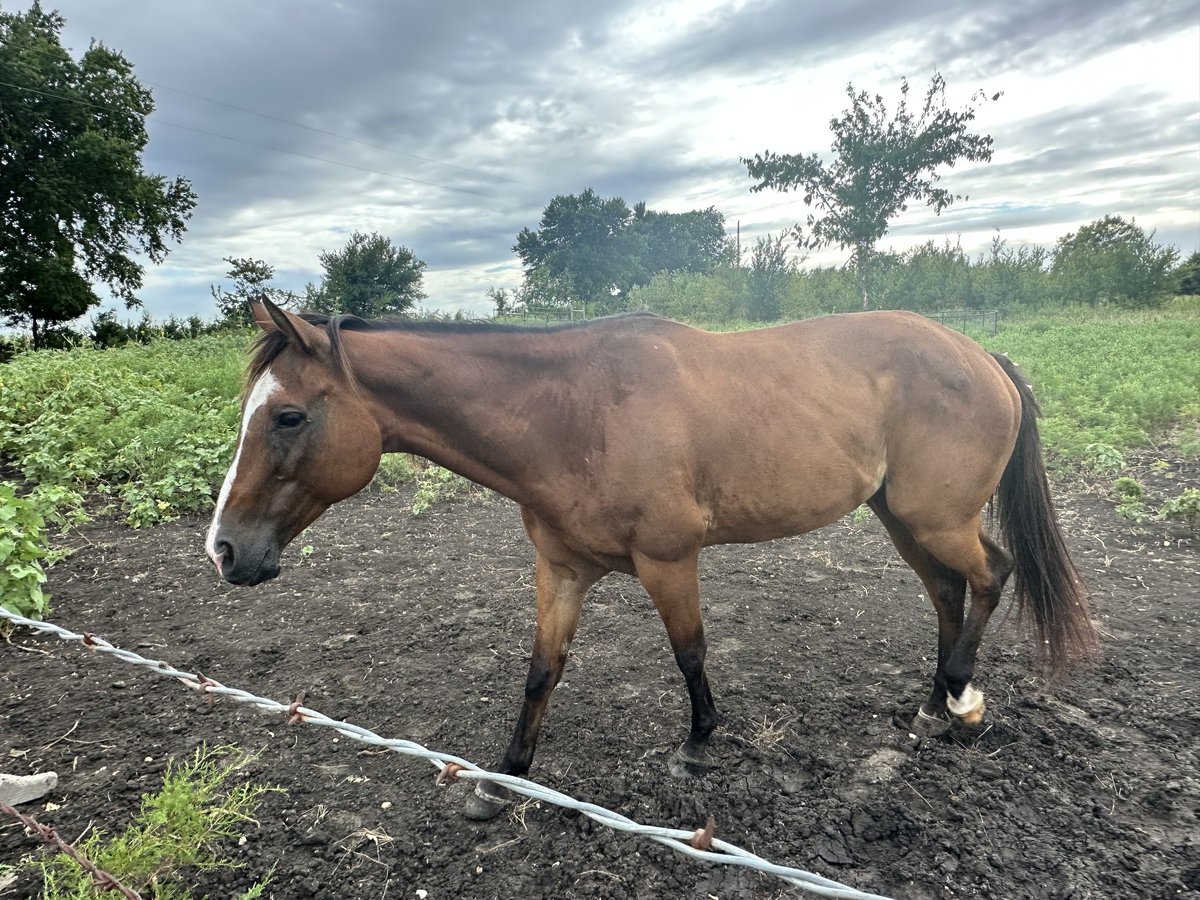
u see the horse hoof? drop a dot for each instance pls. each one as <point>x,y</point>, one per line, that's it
<point>486,802</point>
<point>687,762</point>
<point>926,725</point>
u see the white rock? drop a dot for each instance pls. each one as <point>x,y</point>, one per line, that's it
<point>16,789</point>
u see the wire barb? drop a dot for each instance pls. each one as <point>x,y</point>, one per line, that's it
<point>702,839</point>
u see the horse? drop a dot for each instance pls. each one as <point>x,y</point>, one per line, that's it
<point>632,442</point>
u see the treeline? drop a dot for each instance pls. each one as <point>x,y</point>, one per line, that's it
<point>1110,263</point>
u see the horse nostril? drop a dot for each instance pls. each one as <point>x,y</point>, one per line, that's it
<point>224,551</point>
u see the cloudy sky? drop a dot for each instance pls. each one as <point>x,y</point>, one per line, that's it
<point>449,126</point>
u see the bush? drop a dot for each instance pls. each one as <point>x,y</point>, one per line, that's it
<point>1112,261</point>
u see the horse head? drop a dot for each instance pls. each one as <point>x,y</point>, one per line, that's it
<point>307,440</point>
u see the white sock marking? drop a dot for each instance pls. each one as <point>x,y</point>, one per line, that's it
<point>263,389</point>
<point>968,701</point>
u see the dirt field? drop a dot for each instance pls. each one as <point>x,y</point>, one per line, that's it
<point>820,650</point>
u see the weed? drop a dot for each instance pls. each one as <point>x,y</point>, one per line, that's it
<point>1100,457</point>
<point>1129,494</point>
<point>394,470</point>
<point>1185,507</point>
<point>178,829</point>
<point>24,552</point>
<point>435,484</point>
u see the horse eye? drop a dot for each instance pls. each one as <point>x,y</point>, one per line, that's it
<point>290,419</point>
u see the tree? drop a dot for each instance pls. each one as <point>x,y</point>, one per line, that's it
<point>369,278</point>
<point>880,165</point>
<point>76,206</point>
<point>588,249</point>
<point>767,278</point>
<point>251,281</point>
<point>583,244</point>
<point>1112,260</point>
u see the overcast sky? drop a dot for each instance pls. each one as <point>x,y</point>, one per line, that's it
<point>449,126</point>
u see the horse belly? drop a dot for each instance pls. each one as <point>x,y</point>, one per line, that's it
<point>771,502</point>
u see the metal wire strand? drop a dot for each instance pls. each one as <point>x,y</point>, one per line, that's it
<point>452,767</point>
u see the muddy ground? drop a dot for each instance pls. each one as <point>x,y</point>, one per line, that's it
<point>820,650</point>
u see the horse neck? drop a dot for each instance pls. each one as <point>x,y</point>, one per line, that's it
<point>464,399</point>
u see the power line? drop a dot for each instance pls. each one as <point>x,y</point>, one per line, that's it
<point>341,137</point>
<point>161,121</point>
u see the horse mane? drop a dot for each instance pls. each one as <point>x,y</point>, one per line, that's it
<point>271,343</point>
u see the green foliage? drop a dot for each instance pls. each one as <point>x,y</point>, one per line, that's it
<point>251,281</point>
<point>150,426</point>
<point>78,206</point>
<point>178,830</point>
<point>1185,507</point>
<point>881,164</point>
<point>1129,493</point>
<point>767,279</point>
<point>1101,457</point>
<point>594,251</point>
<point>1113,261</point>
<point>1186,277</point>
<point>394,470</point>
<point>24,554</point>
<point>369,278</point>
<point>435,484</point>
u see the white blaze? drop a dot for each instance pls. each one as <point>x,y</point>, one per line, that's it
<point>263,389</point>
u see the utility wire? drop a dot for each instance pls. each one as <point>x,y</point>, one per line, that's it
<point>333,162</point>
<point>341,137</point>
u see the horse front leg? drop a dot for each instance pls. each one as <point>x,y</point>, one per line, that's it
<point>674,587</point>
<point>560,592</point>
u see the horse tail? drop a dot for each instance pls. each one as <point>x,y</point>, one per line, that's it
<point>1046,582</point>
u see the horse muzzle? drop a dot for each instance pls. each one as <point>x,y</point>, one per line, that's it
<point>245,562</point>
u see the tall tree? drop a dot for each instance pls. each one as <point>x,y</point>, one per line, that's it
<point>76,206</point>
<point>881,164</point>
<point>583,242</point>
<point>370,277</point>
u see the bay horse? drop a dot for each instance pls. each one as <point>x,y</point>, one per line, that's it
<point>630,443</point>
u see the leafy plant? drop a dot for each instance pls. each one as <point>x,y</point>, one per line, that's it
<point>179,828</point>
<point>24,552</point>
<point>1129,493</point>
<point>1101,457</point>
<point>435,484</point>
<point>394,470</point>
<point>1185,507</point>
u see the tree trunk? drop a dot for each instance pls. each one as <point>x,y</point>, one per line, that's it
<point>35,339</point>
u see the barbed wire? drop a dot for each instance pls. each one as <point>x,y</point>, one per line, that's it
<point>698,844</point>
<point>103,881</point>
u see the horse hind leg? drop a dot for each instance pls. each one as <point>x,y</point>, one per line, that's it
<point>985,565</point>
<point>987,580</point>
<point>947,590</point>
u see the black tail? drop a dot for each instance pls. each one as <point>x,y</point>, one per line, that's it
<point>1046,581</point>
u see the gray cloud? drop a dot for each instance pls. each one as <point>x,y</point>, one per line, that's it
<point>481,112</point>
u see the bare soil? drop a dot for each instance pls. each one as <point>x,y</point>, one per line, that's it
<point>821,648</point>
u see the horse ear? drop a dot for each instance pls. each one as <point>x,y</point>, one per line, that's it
<point>270,317</point>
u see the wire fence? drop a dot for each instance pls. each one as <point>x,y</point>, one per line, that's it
<point>698,844</point>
